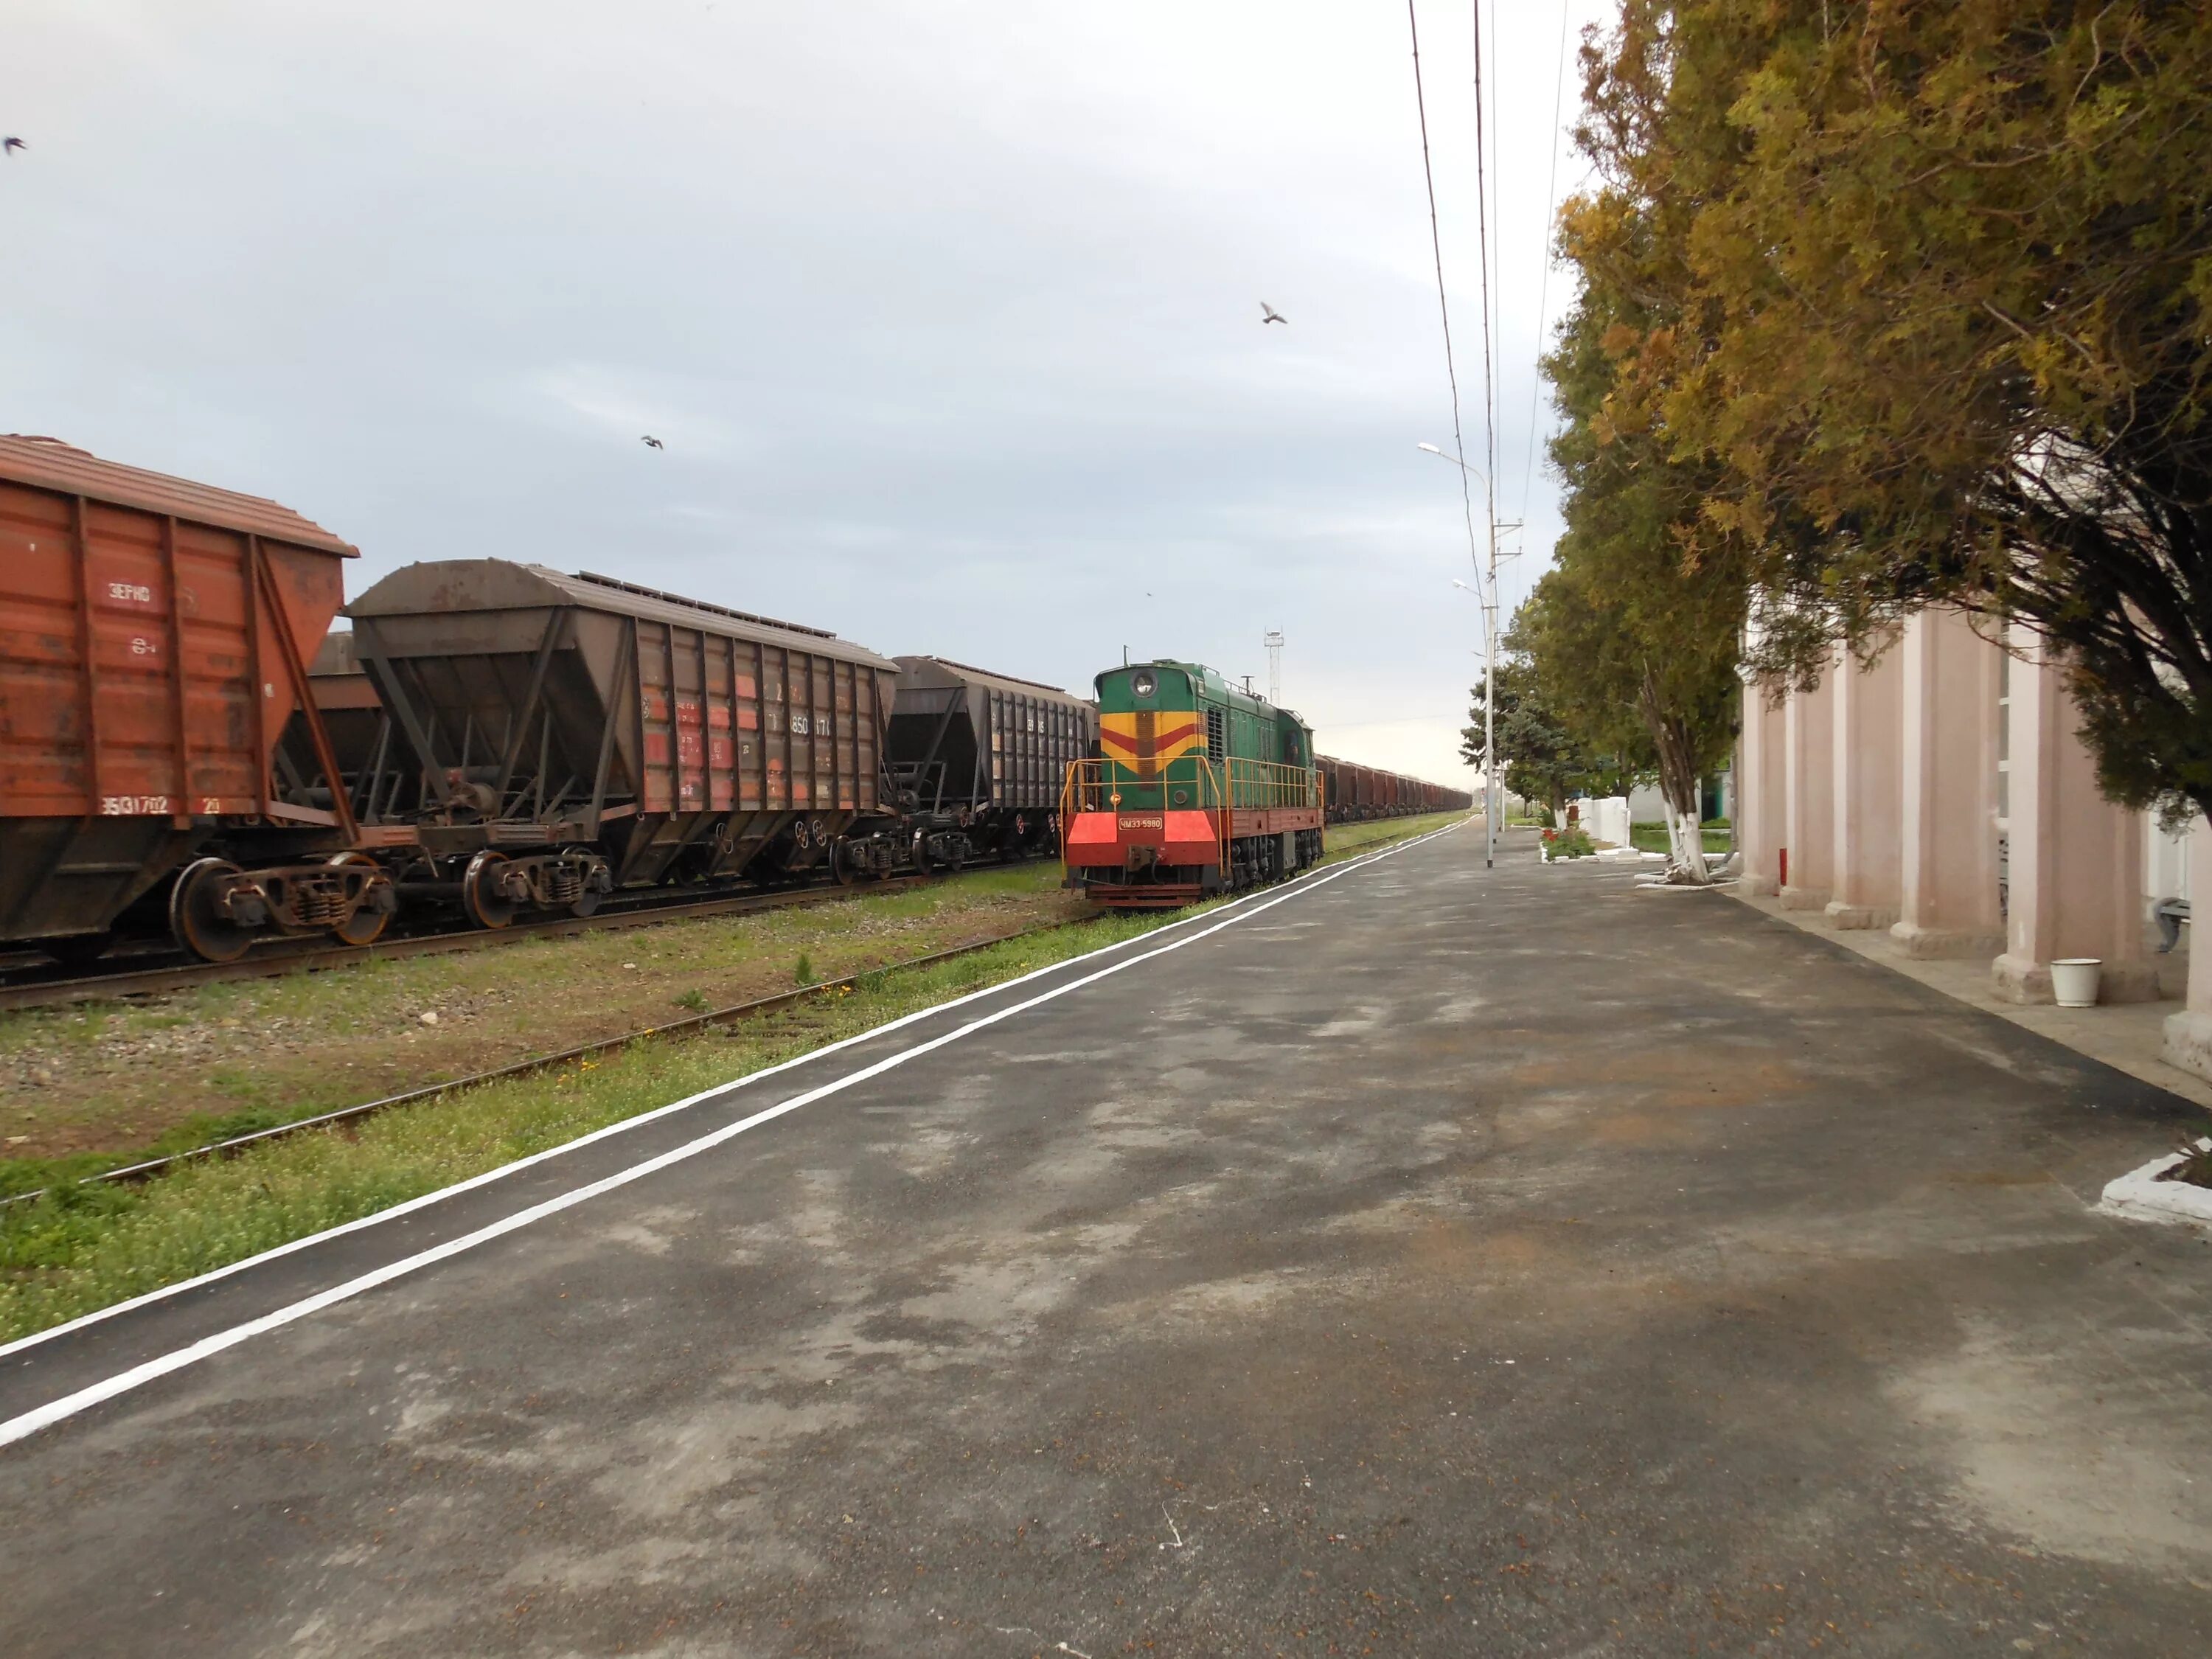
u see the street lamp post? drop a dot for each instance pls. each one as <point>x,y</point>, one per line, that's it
<point>1487,595</point>
<point>1490,800</point>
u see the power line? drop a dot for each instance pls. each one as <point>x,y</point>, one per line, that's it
<point>1443,307</point>
<point>1544,286</point>
<point>1482,229</point>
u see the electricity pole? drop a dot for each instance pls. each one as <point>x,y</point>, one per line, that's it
<point>1273,641</point>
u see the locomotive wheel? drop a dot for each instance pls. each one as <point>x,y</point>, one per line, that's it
<point>199,926</point>
<point>486,905</point>
<point>364,925</point>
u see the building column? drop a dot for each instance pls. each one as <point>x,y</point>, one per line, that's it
<point>1869,782</point>
<point>1947,890</point>
<point>2188,1033</point>
<point>1758,784</point>
<point>2074,862</point>
<point>1806,860</point>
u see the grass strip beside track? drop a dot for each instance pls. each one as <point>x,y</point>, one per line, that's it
<point>81,1249</point>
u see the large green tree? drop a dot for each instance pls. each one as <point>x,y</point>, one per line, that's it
<point>1635,633</point>
<point>1947,330</point>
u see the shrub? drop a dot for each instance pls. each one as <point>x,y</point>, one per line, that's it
<point>1572,843</point>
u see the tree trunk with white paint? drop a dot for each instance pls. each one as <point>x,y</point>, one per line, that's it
<point>1678,785</point>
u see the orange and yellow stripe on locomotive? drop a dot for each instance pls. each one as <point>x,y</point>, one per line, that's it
<point>1147,740</point>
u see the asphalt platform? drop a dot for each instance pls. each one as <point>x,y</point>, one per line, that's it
<point>1436,1261</point>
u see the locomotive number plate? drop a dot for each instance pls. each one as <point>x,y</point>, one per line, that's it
<point>1142,821</point>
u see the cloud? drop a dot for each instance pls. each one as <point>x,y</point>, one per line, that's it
<point>948,314</point>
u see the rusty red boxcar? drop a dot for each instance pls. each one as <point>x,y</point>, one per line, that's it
<point>152,637</point>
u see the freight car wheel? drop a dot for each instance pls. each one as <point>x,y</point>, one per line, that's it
<point>199,927</point>
<point>364,925</point>
<point>842,865</point>
<point>486,905</point>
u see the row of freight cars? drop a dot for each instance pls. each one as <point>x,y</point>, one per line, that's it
<point>1356,791</point>
<point>186,746</point>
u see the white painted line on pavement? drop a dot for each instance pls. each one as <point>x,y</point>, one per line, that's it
<point>622,1126</point>
<point>30,1422</point>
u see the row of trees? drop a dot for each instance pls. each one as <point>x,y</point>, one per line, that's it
<point>1880,305</point>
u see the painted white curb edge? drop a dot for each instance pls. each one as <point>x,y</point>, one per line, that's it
<point>2140,1196</point>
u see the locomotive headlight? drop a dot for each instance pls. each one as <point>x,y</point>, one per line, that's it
<point>1143,683</point>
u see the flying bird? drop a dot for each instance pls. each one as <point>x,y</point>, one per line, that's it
<point>655,443</point>
<point>8,146</point>
<point>1269,314</point>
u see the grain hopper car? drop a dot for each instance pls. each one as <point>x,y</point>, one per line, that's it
<point>550,738</point>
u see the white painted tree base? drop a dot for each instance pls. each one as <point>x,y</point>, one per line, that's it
<point>2140,1196</point>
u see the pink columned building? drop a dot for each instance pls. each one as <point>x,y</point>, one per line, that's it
<point>1941,793</point>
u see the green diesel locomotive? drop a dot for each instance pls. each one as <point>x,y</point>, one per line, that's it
<point>1199,788</point>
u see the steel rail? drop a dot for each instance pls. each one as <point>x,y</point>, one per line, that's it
<point>148,1168</point>
<point>288,957</point>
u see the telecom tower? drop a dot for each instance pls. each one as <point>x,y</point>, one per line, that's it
<point>1273,641</point>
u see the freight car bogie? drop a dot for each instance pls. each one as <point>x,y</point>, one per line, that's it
<point>217,910</point>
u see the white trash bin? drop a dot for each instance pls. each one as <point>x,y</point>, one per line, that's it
<point>2074,980</point>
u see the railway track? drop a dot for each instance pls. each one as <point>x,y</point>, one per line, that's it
<point>149,1169</point>
<point>169,973</point>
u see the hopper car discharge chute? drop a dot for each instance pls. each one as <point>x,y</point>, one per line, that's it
<point>1198,788</point>
<point>153,639</point>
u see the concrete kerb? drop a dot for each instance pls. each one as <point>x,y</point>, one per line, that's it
<point>2141,1195</point>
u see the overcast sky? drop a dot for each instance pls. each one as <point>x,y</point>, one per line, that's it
<point>947,313</point>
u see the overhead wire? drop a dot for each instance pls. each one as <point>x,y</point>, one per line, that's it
<point>1443,305</point>
<point>1482,243</point>
<point>1544,285</point>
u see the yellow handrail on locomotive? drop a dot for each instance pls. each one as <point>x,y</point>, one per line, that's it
<point>1088,787</point>
<point>1250,784</point>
